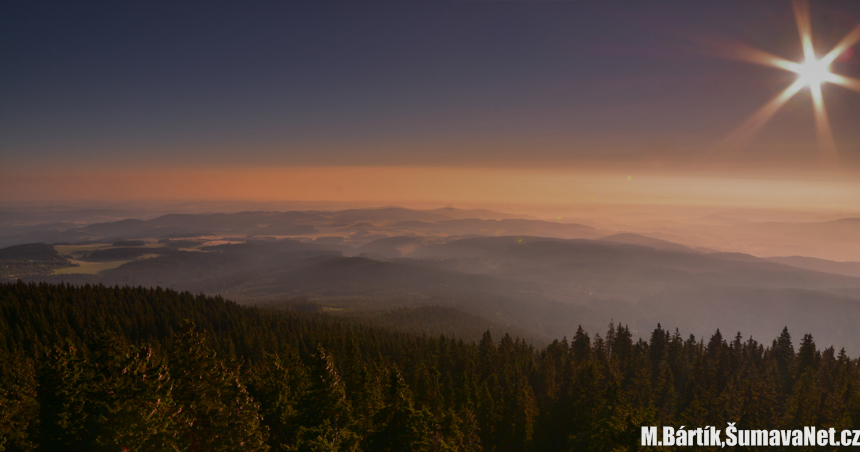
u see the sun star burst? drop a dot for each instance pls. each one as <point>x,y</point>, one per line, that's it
<point>811,73</point>
<point>814,72</point>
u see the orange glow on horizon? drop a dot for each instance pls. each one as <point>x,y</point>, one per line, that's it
<point>422,184</point>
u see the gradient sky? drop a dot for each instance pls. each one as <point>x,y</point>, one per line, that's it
<point>101,100</point>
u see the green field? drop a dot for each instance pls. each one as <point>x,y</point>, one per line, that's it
<point>89,268</point>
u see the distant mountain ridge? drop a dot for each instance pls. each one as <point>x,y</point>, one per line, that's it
<point>837,239</point>
<point>636,239</point>
<point>821,265</point>
<point>353,223</point>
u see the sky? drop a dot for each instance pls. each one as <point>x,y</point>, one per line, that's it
<point>526,101</point>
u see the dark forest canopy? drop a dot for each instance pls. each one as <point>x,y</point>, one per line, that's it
<point>99,368</point>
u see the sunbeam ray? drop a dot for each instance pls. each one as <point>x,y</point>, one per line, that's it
<point>804,27</point>
<point>843,46</point>
<point>743,52</point>
<point>742,135</point>
<point>846,82</point>
<point>826,143</point>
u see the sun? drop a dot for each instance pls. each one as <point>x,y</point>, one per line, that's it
<point>812,73</point>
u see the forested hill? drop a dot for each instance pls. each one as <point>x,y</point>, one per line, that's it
<point>100,368</point>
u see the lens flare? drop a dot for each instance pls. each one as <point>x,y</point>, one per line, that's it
<point>813,73</point>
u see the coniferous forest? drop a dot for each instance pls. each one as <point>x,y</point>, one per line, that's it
<point>109,368</point>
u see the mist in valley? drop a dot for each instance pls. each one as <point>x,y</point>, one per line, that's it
<point>537,276</point>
